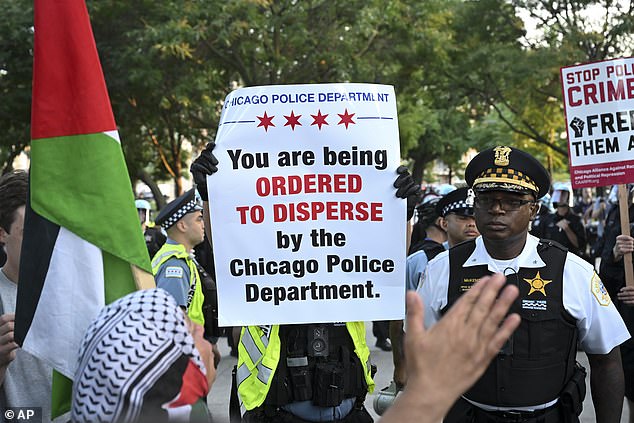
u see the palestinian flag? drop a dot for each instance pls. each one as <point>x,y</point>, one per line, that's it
<point>83,245</point>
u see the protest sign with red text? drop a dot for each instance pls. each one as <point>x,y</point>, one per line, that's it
<point>599,109</point>
<point>305,223</point>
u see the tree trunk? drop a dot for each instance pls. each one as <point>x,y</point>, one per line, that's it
<point>417,172</point>
<point>420,162</point>
<point>178,184</point>
<point>177,165</point>
<point>156,192</point>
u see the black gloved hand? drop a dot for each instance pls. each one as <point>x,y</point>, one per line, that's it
<point>205,164</point>
<point>407,189</point>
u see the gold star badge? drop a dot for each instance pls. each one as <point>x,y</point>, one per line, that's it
<point>537,284</point>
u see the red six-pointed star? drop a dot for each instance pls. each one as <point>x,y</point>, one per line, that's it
<point>319,119</point>
<point>346,118</point>
<point>292,120</point>
<point>265,121</point>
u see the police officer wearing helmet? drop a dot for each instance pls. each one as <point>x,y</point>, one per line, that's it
<point>143,209</point>
<point>154,237</point>
<point>427,234</point>
<point>535,377</point>
<point>563,225</point>
<point>173,265</point>
<point>307,372</point>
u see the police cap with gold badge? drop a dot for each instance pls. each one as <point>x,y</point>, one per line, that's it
<point>458,201</point>
<point>176,209</point>
<point>504,168</point>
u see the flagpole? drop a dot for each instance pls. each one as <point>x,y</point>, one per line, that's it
<point>142,279</point>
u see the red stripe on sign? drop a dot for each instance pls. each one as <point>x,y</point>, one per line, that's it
<point>602,174</point>
<point>69,91</point>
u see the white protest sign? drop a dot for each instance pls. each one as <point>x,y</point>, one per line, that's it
<point>599,109</point>
<point>306,226</point>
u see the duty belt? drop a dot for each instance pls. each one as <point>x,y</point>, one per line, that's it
<point>547,415</point>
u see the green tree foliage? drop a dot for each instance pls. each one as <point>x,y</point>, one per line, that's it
<point>400,42</point>
<point>432,122</point>
<point>513,76</point>
<point>164,95</point>
<point>582,30</point>
<point>467,73</point>
<point>292,42</point>
<point>503,81</point>
<point>16,60</point>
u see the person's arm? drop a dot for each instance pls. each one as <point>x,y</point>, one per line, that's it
<point>598,210</point>
<point>607,385</point>
<point>626,295</point>
<point>205,164</point>
<point>587,215</point>
<point>7,345</point>
<point>537,226</point>
<point>207,220</point>
<point>173,276</point>
<point>579,229</point>
<point>444,361</point>
<point>564,225</point>
<point>624,244</point>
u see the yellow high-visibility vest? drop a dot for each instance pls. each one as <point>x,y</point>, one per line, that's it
<point>167,251</point>
<point>259,355</point>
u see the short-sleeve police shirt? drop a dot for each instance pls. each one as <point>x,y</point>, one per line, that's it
<point>599,324</point>
<point>415,267</point>
<point>173,276</point>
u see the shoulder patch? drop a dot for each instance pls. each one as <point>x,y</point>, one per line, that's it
<point>173,272</point>
<point>599,291</point>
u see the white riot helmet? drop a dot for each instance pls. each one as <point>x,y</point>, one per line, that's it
<point>143,208</point>
<point>562,193</point>
<point>445,189</point>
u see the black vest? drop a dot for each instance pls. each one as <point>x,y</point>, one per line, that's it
<point>318,363</point>
<point>539,358</point>
<point>430,247</point>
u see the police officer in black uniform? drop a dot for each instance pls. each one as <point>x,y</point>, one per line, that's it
<point>427,234</point>
<point>562,226</point>
<point>154,236</point>
<point>535,377</point>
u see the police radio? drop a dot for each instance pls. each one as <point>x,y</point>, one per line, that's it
<point>317,338</point>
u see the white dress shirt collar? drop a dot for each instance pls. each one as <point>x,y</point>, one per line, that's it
<point>527,258</point>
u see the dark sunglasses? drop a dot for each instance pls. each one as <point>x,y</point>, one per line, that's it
<point>506,204</point>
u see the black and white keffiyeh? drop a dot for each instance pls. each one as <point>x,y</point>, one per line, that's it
<point>135,361</point>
